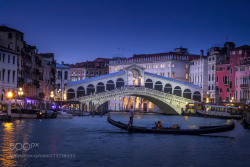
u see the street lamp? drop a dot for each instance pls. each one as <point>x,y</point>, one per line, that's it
<point>20,92</point>
<point>9,96</point>
<point>52,96</point>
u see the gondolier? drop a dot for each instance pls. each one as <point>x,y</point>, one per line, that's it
<point>131,117</point>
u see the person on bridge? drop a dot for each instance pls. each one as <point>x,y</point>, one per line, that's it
<point>131,117</point>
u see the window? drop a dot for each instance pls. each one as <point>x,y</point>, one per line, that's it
<point>227,90</point>
<point>10,35</point>
<point>172,74</point>
<point>153,66</point>
<point>220,90</point>
<point>0,57</point>
<point>186,65</point>
<point>156,66</point>
<point>14,59</point>
<point>66,75</point>
<point>3,57</point>
<point>217,79</point>
<point>109,68</point>
<point>8,76</point>
<point>236,69</point>
<point>14,72</point>
<point>173,65</point>
<point>228,68</point>
<point>231,61</point>
<point>231,71</point>
<point>169,65</point>
<point>236,81</point>
<point>87,72</point>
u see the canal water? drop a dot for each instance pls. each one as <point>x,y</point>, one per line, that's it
<point>92,141</point>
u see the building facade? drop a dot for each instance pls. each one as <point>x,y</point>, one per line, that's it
<point>240,74</point>
<point>62,78</point>
<point>198,72</point>
<point>215,56</point>
<point>80,71</point>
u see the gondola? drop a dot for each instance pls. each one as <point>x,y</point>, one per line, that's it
<point>245,123</point>
<point>201,130</point>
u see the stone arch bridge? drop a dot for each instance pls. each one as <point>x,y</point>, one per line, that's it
<point>168,94</point>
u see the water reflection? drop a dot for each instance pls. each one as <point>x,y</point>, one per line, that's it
<point>7,135</point>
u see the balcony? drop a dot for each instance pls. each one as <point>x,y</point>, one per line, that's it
<point>243,99</point>
<point>244,86</point>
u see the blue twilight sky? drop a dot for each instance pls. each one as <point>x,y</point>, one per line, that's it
<point>78,30</point>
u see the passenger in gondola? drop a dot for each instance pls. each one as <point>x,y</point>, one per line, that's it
<point>159,125</point>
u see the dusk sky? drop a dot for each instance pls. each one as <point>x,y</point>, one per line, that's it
<point>77,31</point>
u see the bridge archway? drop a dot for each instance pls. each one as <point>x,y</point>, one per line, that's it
<point>100,87</point>
<point>158,86</point>
<point>134,76</point>
<point>130,102</point>
<point>90,89</point>
<point>110,85</point>
<point>124,103</point>
<point>187,93</point>
<point>80,91</point>
<point>197,96</point>
<point>177,91</point>
<point>70,94</point>
<point>149,83</point>
<point>168,88</point>
<point>119,83</point>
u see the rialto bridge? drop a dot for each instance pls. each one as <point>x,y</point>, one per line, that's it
<point>133,87</point>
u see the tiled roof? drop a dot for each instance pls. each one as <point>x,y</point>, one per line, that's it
<point>96,78</point>
<point>61,66</point>
<point>4,28</point>
<point>173,80</point>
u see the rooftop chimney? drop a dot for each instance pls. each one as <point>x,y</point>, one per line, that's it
<point>201,53</point>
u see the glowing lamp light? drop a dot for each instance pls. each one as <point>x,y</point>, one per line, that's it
<point>9,94</point>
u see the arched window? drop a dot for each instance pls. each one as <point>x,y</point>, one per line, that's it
<point>168,88</point>
<point>149,83</point>
<point>70,94</point>
<point>158,86</point>
<point>187,93</point>
<point>197,96</point>
<point>119,83</point>
<point>66,75</point>
<point>110,85</point>
<point>177,91</point>
<point>80,91</point>
<point>100,87</point>
<point>90,89</point>
<point>59,75</point>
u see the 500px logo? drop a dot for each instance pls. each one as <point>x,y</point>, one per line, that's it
<point>23,146</point>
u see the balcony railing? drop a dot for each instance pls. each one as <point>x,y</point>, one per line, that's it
<point>244,99</point>
<point>244,86</point>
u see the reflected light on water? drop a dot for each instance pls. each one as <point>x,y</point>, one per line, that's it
<point>186,117</point>
<point>6,157</point>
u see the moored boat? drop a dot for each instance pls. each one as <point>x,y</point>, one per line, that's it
<point>245,123</point>
<point>201,130</point>
<point>218,115</point>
